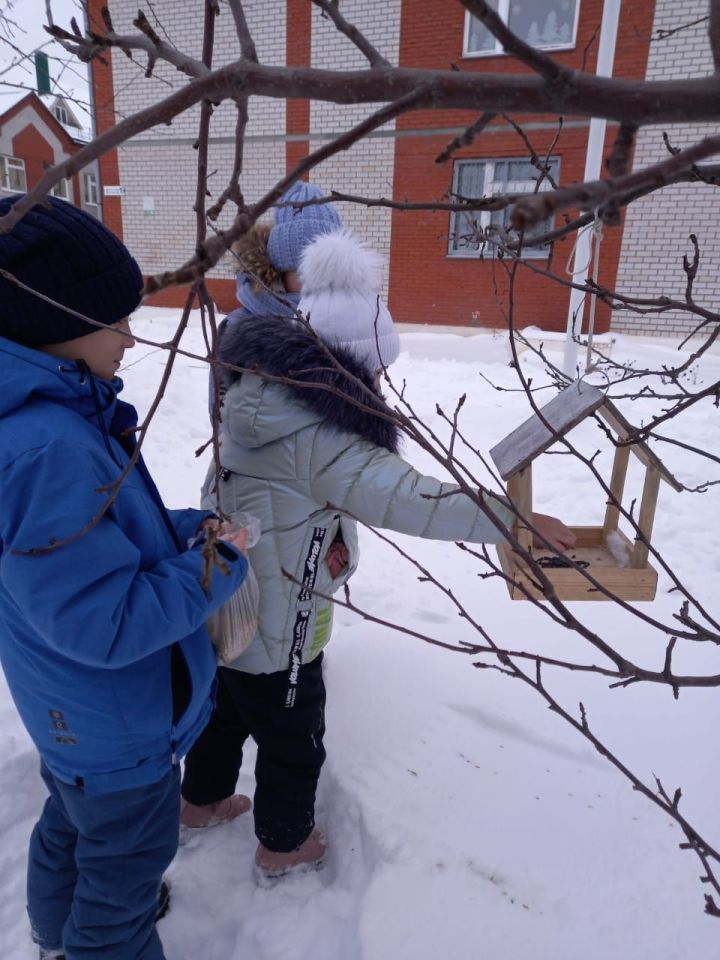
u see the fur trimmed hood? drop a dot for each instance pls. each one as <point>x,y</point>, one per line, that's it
<point>250,255</point>
<point>284,347</point>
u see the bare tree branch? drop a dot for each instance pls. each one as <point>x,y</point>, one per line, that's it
<point>618,163</point>
<point>714,33</point>
<point>331,9</point>
<point>466,138</point>
<point>599,193</point>
<point>665,34</point>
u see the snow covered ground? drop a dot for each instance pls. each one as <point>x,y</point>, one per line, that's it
<point>464,818</point>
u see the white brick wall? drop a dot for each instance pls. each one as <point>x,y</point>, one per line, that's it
<point>159,164</point>
<point>367,168</point>
<point>183,22</point>
<point>165,173</point>
<point>657,227</point>
<point>379,21</point>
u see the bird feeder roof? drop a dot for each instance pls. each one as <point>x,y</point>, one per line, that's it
<point>557,418</point>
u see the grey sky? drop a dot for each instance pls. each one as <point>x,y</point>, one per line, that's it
<point>23,33</point>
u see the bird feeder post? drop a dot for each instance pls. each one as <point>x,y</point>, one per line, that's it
<point>648,503</point>
<point>617,486</point>
<point>519,490</point>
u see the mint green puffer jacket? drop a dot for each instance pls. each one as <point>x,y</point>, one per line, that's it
<point>305,461</point>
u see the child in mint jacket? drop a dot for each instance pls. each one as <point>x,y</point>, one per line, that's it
<point>307,461</point>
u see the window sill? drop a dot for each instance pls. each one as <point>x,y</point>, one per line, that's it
<point>490,257</point>
<point>485,54</point>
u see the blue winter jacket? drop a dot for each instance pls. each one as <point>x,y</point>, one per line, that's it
<point>102,641</point>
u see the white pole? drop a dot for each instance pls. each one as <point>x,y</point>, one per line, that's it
<point>593,161</point>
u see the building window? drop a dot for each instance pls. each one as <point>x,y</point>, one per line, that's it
<point>61,114</point>
<point>547,24</point>
<point>12,174</point>
<point>91,195</point>
<point>61,189</point>
<point>478,233</point>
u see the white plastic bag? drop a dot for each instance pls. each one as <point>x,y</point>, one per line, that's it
<point>234,624</point>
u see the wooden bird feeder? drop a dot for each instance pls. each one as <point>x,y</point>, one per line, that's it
<point>605,552</point>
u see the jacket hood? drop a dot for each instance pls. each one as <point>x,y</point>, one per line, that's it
<point>284,347</point>
<point>27,374</point>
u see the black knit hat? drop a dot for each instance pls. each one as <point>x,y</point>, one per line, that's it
<point>68,255</point>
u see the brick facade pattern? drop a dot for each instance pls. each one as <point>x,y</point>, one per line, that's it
<point>366,170</point>
<point>184,25</point>
<point>428,285</point>
<point>157,168</point>
<point>425,284</point>
<point>657,227</point>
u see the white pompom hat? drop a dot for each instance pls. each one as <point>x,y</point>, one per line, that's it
<point>340,280</point>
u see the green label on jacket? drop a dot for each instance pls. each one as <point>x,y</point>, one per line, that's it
<point>323,625</point>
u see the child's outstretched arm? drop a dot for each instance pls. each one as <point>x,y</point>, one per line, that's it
<point>381,489</point>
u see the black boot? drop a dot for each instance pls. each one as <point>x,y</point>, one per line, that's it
<point>163,901</point>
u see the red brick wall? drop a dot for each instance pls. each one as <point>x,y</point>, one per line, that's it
<point>102,81</point>
<point>34,149</point>
<point>299,54</point>
<point>425,284</point>
<point>30,145</point>
<point>222,292</point>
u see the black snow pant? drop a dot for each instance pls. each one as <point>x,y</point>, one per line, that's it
<point>290,751</point>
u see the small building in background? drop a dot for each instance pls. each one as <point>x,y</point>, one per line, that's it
<point>40,130</point>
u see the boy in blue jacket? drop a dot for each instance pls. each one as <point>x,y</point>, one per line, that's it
<point>102,636</point>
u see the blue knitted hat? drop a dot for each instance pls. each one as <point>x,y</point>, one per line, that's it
<point>66,254</point>
<point>295,228</point>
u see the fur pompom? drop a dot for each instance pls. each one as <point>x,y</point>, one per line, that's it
<point>251,256</point>
<point>338,261</point>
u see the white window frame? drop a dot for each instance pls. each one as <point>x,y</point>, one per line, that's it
<point>492,187</point>
<point>62,114</point>
<point>88,200</point>
<point>62,190</point>
<point>12,163</point>
<point>497,50</point>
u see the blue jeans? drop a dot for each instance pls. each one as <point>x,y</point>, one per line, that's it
<point>95,865</point>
